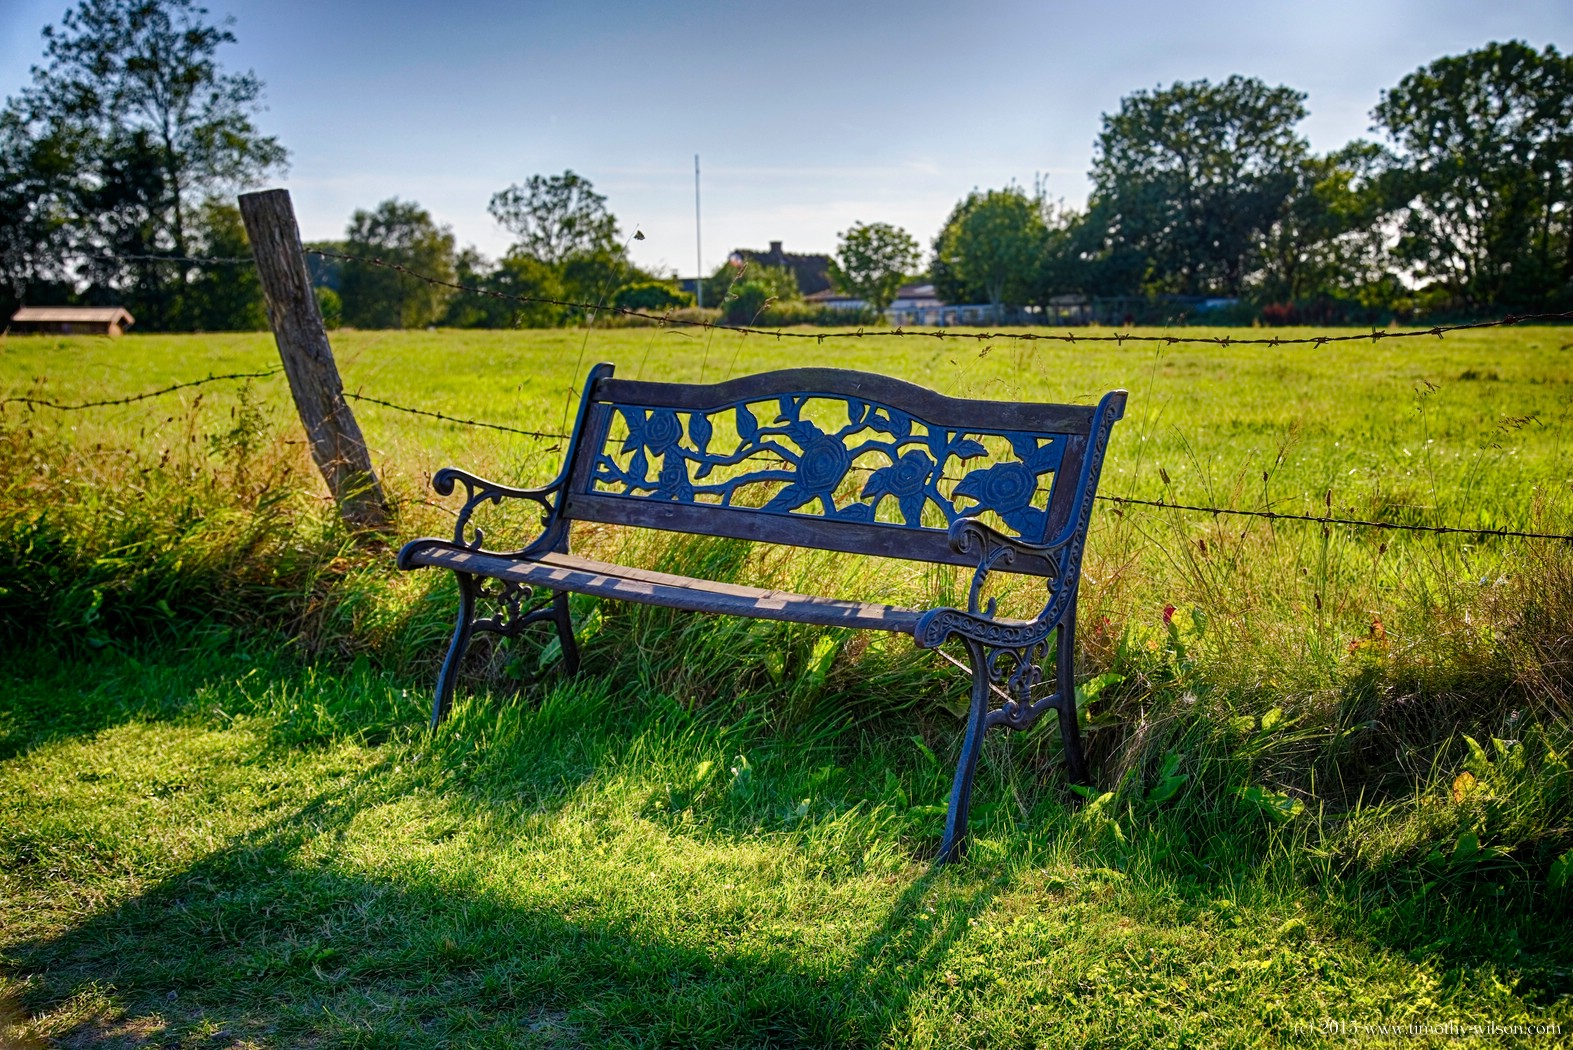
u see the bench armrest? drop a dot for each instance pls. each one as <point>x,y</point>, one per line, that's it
<point>479,490</point>
<point>995,550</point>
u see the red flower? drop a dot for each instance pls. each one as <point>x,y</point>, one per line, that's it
<point>1168,615</point>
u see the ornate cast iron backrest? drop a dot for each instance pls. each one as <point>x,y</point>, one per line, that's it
<point>831,459</point>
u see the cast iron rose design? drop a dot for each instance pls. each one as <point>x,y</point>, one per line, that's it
<point>1006,489</point>
<point>906,479</point>
<point>804,466</point>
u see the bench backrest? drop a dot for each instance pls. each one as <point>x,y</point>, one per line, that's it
<point>833,459</point>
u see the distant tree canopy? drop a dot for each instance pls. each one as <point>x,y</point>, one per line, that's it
<point>1193,177</point>
<point>873,261</point>
<point>555,217</point>
<point>1205,190</point>
<point>1485,171</point>
<point>403,233</point>
<point>990,246</point>
<point>128,129</point>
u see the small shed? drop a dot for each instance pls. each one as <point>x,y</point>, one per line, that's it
<point>73,320</point>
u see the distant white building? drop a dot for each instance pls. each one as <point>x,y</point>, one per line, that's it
<point>831,299</point>
<point>915,304</point>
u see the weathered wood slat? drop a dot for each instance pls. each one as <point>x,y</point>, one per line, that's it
<point>797,530</point>
<point>951,412</point>
<point>566,572</point>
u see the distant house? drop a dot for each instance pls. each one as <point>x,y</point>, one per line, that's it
<point>812,271</point>
<point>73,320</point>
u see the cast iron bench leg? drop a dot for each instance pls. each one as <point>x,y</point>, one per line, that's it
<point>1070,732</point>
<point>461,641</point>
<point>954,845</point>
<point>565,632</point>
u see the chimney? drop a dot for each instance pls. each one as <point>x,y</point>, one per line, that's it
<point>775,249</point>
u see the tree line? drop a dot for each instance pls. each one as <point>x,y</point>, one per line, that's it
<point>1208,191</point>
<point>120,161</point>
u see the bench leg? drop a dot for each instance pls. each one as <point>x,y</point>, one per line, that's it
<point>461,641</point>
<point>1070,731</point>
<point>954,845</point>
<point>565,632</point>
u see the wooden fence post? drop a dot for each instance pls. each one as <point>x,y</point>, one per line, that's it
<point>336,442</point>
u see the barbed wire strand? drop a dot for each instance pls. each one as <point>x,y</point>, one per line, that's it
<point>1375,335</point>
<point>455,419</point>
<point>1275,515</point>
<point>38,402</point>
<point>190,260</point>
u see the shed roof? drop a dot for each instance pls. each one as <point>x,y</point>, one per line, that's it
<point>66,314</point>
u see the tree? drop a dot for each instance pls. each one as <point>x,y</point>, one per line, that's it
<point>872,262</point>
<point>1487,173</point>
<point>516,277</point>
<point>991,244</point>
<point>555,217</point>
<point>742,290</point>
<point>130,124</point>
<point>1328,242</point>
<point>224,297</point>
<point>652,297</point>
<point>1191,177</point>
<point>401,233</point>
<point>34,236</point>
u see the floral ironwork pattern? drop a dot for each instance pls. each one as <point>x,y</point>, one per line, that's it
<point>790,455</point>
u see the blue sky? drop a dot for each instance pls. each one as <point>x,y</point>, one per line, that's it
<point>807,117</point>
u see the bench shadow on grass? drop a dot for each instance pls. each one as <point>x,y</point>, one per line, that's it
<point>266,943</point>
<point>264,940</point>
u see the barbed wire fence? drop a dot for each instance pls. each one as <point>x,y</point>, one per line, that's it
<point>668,319</point>
<point>556,436</point>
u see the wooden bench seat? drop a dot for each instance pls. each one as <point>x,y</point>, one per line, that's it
<point>821,458</point>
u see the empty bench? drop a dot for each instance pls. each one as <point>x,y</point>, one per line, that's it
<point>821,458</point>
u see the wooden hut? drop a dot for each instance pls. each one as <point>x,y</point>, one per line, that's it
<point>73,320</point>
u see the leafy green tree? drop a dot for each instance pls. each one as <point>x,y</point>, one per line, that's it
<point>555,217</point>
<point>35,237</point>
<point>500,288</point>
<point>595,276</point>
<point>224,297</point>
<point>872,262</point>
<point>1328,242</point>
<point>1486,168</point>
<point>652,296</point>
<point>129,125</point>
<point>1191,177</point>
<point>329,305</point>
<point>401,233</point>
<point>992,244</point>
<point>743,290</point>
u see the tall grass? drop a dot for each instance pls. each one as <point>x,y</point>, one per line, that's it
<point>1298,680</point>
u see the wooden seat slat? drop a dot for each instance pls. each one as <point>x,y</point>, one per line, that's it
<point>570,572</point>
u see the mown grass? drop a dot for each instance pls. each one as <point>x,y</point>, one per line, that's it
<point>1334,785</point>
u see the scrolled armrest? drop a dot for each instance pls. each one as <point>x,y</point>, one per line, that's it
<point>965,531</point>
<point>994,550</point>
<point>480,490</point>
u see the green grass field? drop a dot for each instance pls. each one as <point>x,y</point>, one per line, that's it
<point>222,822</point>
